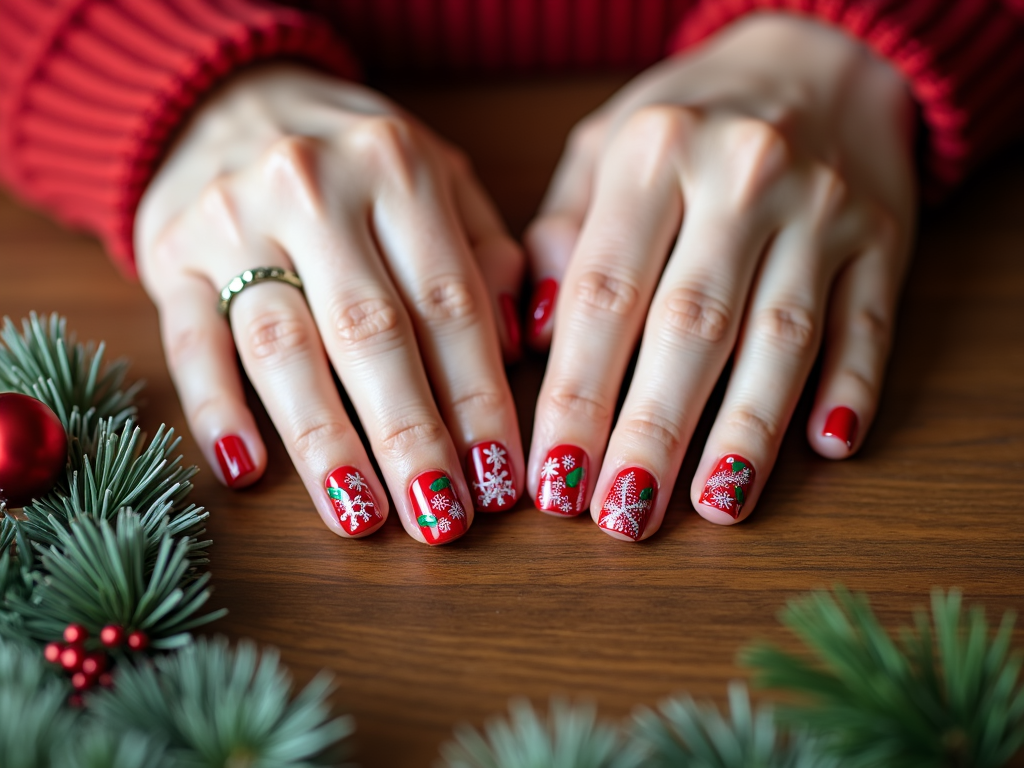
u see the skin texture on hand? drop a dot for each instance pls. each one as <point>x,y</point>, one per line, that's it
<point>408,275</point>
<point>750,200</point>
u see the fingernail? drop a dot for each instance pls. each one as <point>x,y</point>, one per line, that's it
<point>629,502</point>
<point>841,424</point>
<point>729,484</point>
<point>233,457</point>
<point>494,488</point>
<point>563,480</point>
<point>543,306</point>
<point>353,503</point>
<point>439,513</point>
<point>510,314</point>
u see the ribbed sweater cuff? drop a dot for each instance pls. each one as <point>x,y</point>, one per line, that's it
<point>91,91</point>
<point>962,61</point>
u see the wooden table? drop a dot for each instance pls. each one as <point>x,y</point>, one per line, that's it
<point>421,639</point>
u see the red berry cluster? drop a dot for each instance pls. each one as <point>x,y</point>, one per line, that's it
<point>90,668</point>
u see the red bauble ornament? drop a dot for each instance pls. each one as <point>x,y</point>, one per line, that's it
<point>94,663</point>
<point>33,449</point>
<point>137,640</point>
<point>71,658</point>
<point>112,635</point>
<point>52,652</point>
<point>75,633</point>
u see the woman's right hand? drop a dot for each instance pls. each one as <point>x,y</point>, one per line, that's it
<point>411,282</point>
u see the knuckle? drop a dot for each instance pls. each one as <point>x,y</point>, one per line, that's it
<point>693,314</point>
<point>184,345</point>
<point>481,400</point>
<point>365,321</point>
<point>290,167</point>
<point>215,405</point>
<point>310,438</point>
<point>272,335</point>
<point>648,426</point>
<point>790,327</point>
<point>753,423</point>
<point>446,298</point>
<point>402,435</point>
<point>831,193</point>
<point>659,129</point>
<point>387,141</point>
<point>218,207</point>
<point>872,324</point>
<point>599,290</point>
<point>759,155</point>
<point>585,136</point>
<point>573,403</point>
<point>867,384</point>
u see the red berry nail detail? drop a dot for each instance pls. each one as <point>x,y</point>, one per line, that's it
<point>543,306</point>
<point>729,485</point>
<point>112,635</point>
<point>233,457</point>
<point>628,505</point>
<point>841,424</point>
<point>439,513</point>
<point>510,314</point>
<point>137,641</point>
<point>494,488</point>
<point>563,480</point>
<point>75,633</point>
<point>354,505</point>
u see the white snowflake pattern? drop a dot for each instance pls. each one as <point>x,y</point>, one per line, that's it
<point>356,482</point>
<point>550,469</point>
<point>722,499</point>
<point>440,503</point>
<point>497,456</point>
<point>624,509</point>
<point>554,495</point>
<point>495,487</point>
<point>357,510</point>
<point>568,462</point>
<point>444,524</point>
<point>726,478</point>
<point>456,512</point>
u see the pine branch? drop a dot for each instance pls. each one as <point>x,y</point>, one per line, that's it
<point>572,737</point>
<point>97,574</point>
<point>95,746</point>
<point>215,706</point>
<point>947,695</point>
<point>43,361</point>
<point>691,735</point>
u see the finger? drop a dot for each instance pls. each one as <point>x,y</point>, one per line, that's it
<point>690,332</point>
<point>497,255</point>
<point>427,253</point>
<point>624,242</point>
<point>858,340</point>
<point>202,362</point>
<point>780,338</point>
<point>551,238</point>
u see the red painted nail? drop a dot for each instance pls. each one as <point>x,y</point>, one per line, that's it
<point>494,488</point>
<point>233,457</point>
<point>729,484</point>
<point>841,424</point>
<point>629,503</point>
<point>543,306</point>
<point>563,481</point>
<point>439,513</point>
<point>353,503</point>
<point>510,314</point>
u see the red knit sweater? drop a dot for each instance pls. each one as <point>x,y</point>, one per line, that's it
<point>90,90</point>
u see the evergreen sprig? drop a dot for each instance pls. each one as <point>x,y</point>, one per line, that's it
<point>97,573</point>
<point>214,706</point>
<point>571,737</point>
<point>947,693</point>
<point>690,735</point>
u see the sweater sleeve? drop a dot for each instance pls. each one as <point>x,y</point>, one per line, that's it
<point>963,61</point>
<point>91,91</point>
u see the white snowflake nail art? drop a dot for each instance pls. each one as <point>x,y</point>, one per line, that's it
<point>727,487</point>
<point>353,503</point>
<point>440,503</point>
<point>627,507</point>
<point>550,468</point>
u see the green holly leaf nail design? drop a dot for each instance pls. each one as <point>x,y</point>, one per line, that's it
<point>335,493</point>
<point>427,520</point>
<point>740,497</point>
<point>440,484</point>
<point>573,478</point>
<point>737,465</point>
<point>647,493</point>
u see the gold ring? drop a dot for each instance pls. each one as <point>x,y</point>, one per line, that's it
<point>251,277</point>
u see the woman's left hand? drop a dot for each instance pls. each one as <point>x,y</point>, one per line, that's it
<point>747,200</point>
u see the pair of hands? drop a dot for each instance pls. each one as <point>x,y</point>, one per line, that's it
<point>750,200</point>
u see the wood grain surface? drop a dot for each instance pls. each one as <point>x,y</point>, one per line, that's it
<point>527,605</point>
